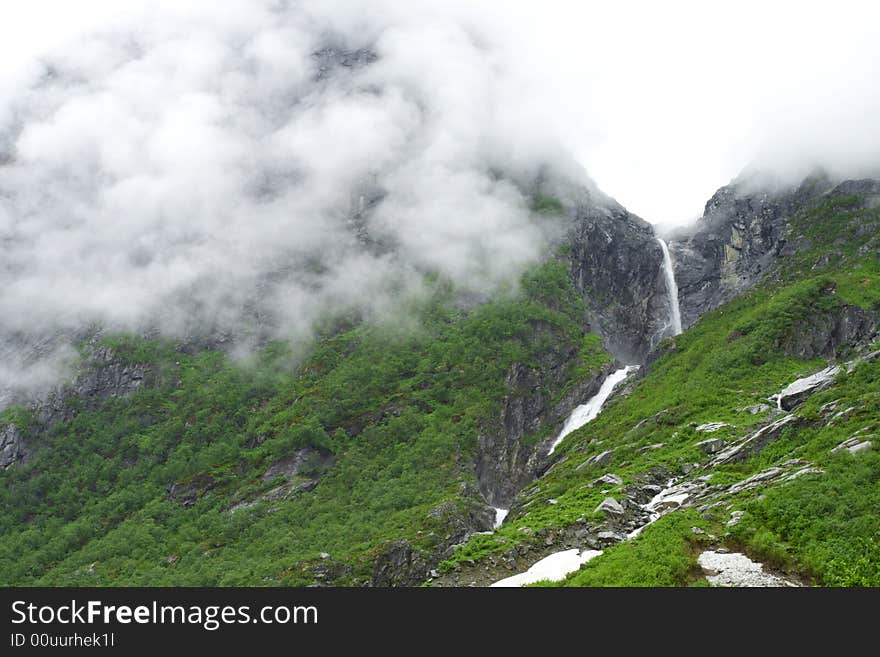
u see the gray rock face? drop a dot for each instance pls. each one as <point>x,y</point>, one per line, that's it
<point>854,445</point>
<point>743,233</point>
<point>400,563</point>
<point>102,376</point>
<point>799,390</point>
<point>12,447</point>
<point>712,446</point>
<point>607,480</point>
<point>755,442</point>
<point>303,462</point>
<point>610,505</point>
<point>615,263</point>
<point>828,335</point>
<point>505,461</point>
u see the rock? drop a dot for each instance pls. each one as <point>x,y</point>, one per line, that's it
<point>754,443</point>
<point>607,480</point>
<point>399,564</point>
<point>189,491</point>
<point>609,538</point>
<point>615,263</point>
<point>506,460</point>
<point>687,468</point>
<point>712,446</point>
<point>12,446</point>
<point>735,517</point>
<point>804,471</point>
<point>552,501</point>
<point>756,480</point>
<point>798,391</point>
<point>854,445</point>
<point>649,448</point>
<point>712,427</point>
<point>755,409</point>
<point>828,334</point>
<point>307,461</point>
<point>103,375</point>
<point>739,239</point>
<point>610,505</point>
<point>737,570</point>
<point>324,555</point>
<point>697,531</point>
<point>598,459</point>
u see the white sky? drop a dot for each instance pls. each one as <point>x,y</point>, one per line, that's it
<point>661,102</point>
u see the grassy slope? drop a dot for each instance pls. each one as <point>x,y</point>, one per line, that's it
<point>824,527</point>
<point>400,411</point>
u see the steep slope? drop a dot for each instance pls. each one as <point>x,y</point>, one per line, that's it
<point>703,439</point>
<point>383,449</point>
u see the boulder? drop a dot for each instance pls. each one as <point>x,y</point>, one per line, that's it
<point>712,427</point>
<point>754,443</point>
<point>712,445</point>
<point>607,480</point>
<point>599,459</point>
<point>797,391</point>
<point>854,445</point>
<point>610,505</point>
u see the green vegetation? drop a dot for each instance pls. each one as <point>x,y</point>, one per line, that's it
<point>167,486</point>
<point>723,369</point>
<point>548,205</point>
<point>664,554</point>
<point>102,500</point>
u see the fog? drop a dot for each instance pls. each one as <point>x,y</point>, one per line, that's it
<point>196,166</point>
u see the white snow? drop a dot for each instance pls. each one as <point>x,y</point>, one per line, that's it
<point>587,412</point>
<point>553,568</point>
<point>672,287</point>
<point>736,569</point>
<point>500,515</point>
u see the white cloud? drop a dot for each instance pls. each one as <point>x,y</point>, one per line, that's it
<point>175,163</point>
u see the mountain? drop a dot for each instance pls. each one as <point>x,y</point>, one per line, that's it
<point>387,454</point>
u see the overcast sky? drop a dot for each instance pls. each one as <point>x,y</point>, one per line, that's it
<point>661,102</point>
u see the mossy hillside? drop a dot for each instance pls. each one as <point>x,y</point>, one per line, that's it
<point>723,369</point>
<point>399,410</point>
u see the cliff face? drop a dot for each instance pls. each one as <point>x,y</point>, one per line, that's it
<point>744,233</point>
<point>615,263</point>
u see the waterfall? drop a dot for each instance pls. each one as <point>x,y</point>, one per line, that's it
<point>672,289</point>
<point>587,412</point>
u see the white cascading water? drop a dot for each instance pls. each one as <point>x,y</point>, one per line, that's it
<point>672,288</point>
<point>500,515</point>
<point>587,412</point>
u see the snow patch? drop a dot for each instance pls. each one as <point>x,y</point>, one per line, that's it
<point>553,568</point>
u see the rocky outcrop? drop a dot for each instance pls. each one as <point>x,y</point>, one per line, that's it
<point>400,563</point>
<point>754,443</point>
<point>798,391</point>
<point>103,375</point>
<point>506,461</point>
<point>738,240</point>
<point>12,445</point>
<point>305,462</point>
<point>830,334</point>
<point>742,235</point>
<point>615,263</point>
